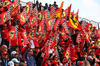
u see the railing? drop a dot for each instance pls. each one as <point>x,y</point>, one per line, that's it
<point>94,23</point>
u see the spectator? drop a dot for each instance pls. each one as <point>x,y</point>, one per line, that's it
<point>13,55</point>
<point>16,62</point>
<point>81,63</point>
<point>46,6</point>
<point>4,59</point>
<point>29,58</point>
<point>55,5</point>
<point>10,63</point>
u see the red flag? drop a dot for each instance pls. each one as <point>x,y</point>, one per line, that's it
<point>6,3</point>
<point>73,22</point>
<point>98,42</point>
<point>33,21</point>
<point>56,25</point>
<point>14,11</point>
<point>22,17</point>
<point>40,27</point>
<point>54,45</point>
<point>23,36</point>
<point>88,27</point>
<point>11,34</point>
<point>45,15</point>
<point>57,13</point>
<point>27,8</point>
<point>49,24</point>
<point>98,32</point>
<point>40,15</point>
<point>3,17</point>
<point>64,14</point>
<point>30,35</point>
<point>67,54</point>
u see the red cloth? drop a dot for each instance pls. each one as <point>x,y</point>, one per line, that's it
<point>4,33</point>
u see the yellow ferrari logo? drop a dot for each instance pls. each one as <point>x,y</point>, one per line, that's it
<point>55,46</point>
<point>50,22</point>
<point>22,18</point>
<point>67,55</point>
<point>25,35</point>
<point>31,33</point>
<point>99,31</point>
<point>73,21</point>
<point>40,28</point>
<point>12,7</point>
<point>90,27</point>
<point>39,16</point>
<point>33,20</point>
<point>98,43</point>
<point>27,8</point>
<point>11,34</point>
<point>63,14</point>
<point>5,3</point>
<point>4,17</point>
<point>87,35</point>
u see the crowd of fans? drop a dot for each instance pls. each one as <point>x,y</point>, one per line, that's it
<point>82,53</point>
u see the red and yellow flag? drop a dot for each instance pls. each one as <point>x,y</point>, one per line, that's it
<point>40,27</point>
<point>33,21</point>
<point>57,13</point>
<point>49,24</point>
<point>98,32</point>
<point>22,17</point>
<point>12,34</point>
<point>6,3</point>
<point>73,22</point>
<point>3,17</point>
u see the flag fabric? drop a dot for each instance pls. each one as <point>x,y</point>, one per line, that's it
<point>24,37</point>
<point>67,54</point>
<point>56,24</point>
<point>6,3</point>
<point>40,27</point>
<point>64,13</point>
<point>14,11</point>
<point>88,27</point>
<point>49,24</point>
<point>33,20</point>
<point>74,23</point>
<point>98,32</point>
<point>28,9</point>
<point>54,45</point>
<point>11,34</point>
<point>30,35</point>
<point>45,15</point>
<point>57,13</point>
<point>22,17</point>
<point>40,13</point>
<point>3,17</point>
<point>98,42</point>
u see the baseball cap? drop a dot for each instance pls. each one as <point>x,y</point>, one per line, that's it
<point>4,53</point>
<point>13,52</point>
<point>81,62</point>
<point>10,63</point>
<point>15,60</point>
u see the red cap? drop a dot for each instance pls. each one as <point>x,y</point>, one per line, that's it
<point>73,58</point>
<point>81,62</point>
<point>4,53</point>
<point>54,62</point>
<point>62,42</point>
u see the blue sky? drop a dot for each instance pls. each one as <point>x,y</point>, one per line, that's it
<point>89,9</point>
